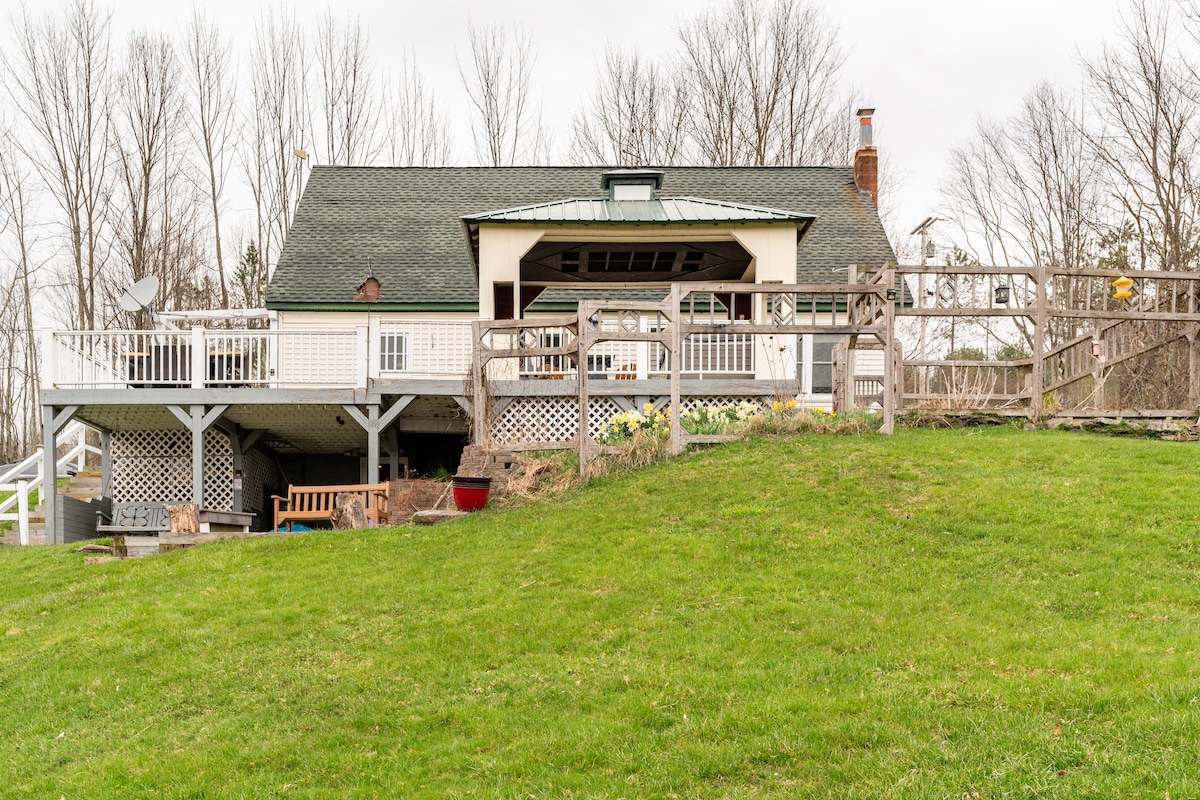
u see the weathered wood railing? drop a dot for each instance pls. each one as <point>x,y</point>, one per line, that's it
<point>1043,304</point>
<point>727,328</point>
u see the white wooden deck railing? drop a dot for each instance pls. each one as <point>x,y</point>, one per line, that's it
<point>392,350</point>
<point>16,479</point>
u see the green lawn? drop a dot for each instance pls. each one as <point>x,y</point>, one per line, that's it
<point>942,614</point>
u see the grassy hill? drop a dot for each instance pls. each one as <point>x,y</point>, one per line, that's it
<point>940,614</point>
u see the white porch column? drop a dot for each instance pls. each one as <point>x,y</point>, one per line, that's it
<point>501,248</point>
<point>773,250</point>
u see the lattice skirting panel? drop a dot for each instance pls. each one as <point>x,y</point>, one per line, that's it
<point>258,477</point>
<point>692,403</point>
<point>156,467</point>
<point>538,420</point>
<point>549,419</point>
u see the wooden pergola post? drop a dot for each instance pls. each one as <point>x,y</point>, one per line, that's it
<point>674,412</point>
<point>583,342</point>
<point>889,361</point>
<point>1038,375</point>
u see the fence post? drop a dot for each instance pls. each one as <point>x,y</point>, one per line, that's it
<point>23,510</point>
<point>480,436</point>
<point>889,365</point>
<point>583,344</point>
<point>1039,344</point>
<point>675,412</point>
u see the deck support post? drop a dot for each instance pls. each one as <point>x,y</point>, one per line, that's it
<point>240,442</point>
<point>373,443</point>
<point>54,419</point>
<point>49,491</point>
<point>197,419</point>
<point>373,422</point>
<point>197,426</point>
<point>393,446</point>
<point>105,463</point>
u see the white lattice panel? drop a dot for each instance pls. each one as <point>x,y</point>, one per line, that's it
<point>549,419</point>
<point>692,403</point>
<point>600,411</point>
<point>258,475</point>
<point>156,467</point>
<point>537,419</point>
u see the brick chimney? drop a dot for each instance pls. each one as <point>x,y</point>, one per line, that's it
<point>866,160</point>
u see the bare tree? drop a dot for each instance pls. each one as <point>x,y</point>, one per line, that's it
<point>276,130</point>
<point>212,116</point>
<point>18,351</point>
<point>1145,95</point>
<point>417,129</point>
<point>350,103</point>
<point>506,128</point>
<point>57,75</point>
<point>763,84</point>
<point>1028,190</point>
<point>636,114</point>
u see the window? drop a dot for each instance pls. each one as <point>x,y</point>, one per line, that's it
<point>393,352</point>
<point>822,362</point>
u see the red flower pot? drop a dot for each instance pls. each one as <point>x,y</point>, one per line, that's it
<point>470,494</point>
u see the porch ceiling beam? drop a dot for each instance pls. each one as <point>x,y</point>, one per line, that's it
<point>61,418</point>
<point>183,416</point>
<point>389,416</point>
<point>205,419</point>
<point>252,438</point>
<point>211,416</point>
<point>358,416</point>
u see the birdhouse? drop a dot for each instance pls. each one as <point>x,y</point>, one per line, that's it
<point>368,291</point>
<point>1122,285</point>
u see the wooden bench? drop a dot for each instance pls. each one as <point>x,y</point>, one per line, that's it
<point>317,503</point>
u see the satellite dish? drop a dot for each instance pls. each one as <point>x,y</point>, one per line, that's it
<point>140,295</point>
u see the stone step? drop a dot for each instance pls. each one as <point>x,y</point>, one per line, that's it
<point>85,482</point>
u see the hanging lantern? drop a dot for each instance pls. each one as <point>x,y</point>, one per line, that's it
<point>1122,285</point>
<point>1002,295</point>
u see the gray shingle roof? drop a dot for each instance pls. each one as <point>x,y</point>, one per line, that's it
<point>408,222</point>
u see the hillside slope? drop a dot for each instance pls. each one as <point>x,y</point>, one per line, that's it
<point>938,614</point>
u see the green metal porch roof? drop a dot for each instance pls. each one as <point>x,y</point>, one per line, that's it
<point>661,211</point>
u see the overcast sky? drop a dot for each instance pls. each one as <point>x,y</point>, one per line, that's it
<point>930,67</point>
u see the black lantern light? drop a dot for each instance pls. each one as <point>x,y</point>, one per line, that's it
<point>1002,295</point>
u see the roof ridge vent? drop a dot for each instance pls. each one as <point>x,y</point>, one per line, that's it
<point>631,184</point>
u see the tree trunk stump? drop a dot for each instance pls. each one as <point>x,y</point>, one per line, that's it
<point>184,518</point>
<point>349,512</point>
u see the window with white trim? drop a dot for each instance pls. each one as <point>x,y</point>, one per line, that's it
<point>393,352</point>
